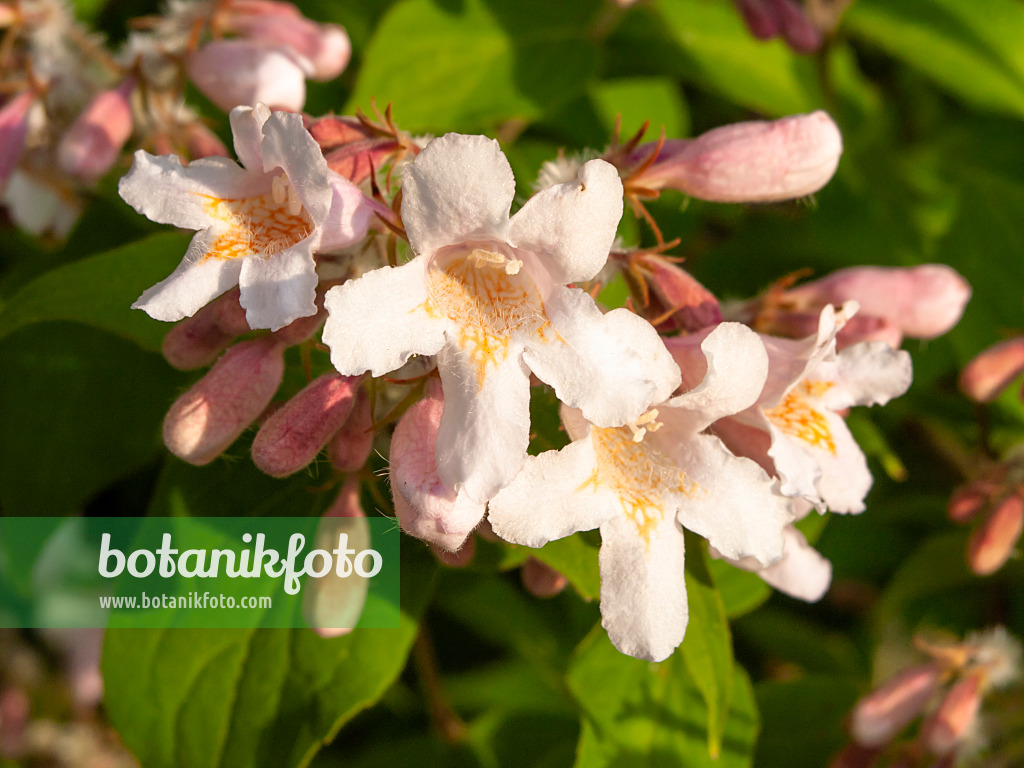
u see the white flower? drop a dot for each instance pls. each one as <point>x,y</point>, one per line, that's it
<point>258,225</point>
<point>641,484</point>
<point>487,294</point>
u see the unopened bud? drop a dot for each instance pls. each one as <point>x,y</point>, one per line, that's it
<point>751,162</point>
<point>200,141</point>
<point>216,410</point>
<point>943,730</point>
<point>882,714</point>
<point>796,28</point>
<point>966,503</point>
<point>332,604</point>
<point>239,72</point>
<point>196,341</point>
<point>13,131</point>
<point>683,302</point>
<point>351,445</point>
<point>992,371</point>
<point>460,558</point>
<point>303,328</point>
<point>855,756</point>
<point>993,541</point>
<point>290,439</point>
<point>759,18</point>
<point>541,580</point>
<point>93,143</point>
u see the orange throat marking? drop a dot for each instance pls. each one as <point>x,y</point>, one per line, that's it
<point>255,226</point>
<point>490,299</point>
<point>638,473</point>
<point>803,417</point>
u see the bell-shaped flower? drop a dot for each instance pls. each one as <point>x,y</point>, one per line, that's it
<point>258,225</point>
<point>487,294</point>
<point>642,483</point>
<point>798,422</point>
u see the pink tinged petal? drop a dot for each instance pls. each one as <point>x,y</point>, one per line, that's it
<point>572,226</point>
<point>349,216</point>
<point>643,588</point>
<point>692,306</point>
<point>759,18</point>
<point>198,340</point>
<point>555,495</point>
<point>734,505</point>
<point>247,134</point>
<point>987,375</point>
<point>869,328</point>
<point>200,141</point>
<point>923,301</point>
<point>94,141</point>
<point>13,131</point>
<point>377,322</point>
<point>289,146</point>
<point>871,373</point>
<point>293,436</point>
<point>943,731</point>
<point>332,604</point>
<point>612,366</point>
<point>801,572</point>
<point>994,540</point>
<point>541,580</point>
<point>736,366</point>
<point>194,283</point>
<point>351,446</point>
<point>324,50</point>
<point>485,429</point>
<point>458,188</point>
<point>880,716</point>
<point>166,192</point>
<point>796,28</point>
<point>205,420</point>
<point>239,72</point>
<point>426,507</point>
<point>752,162</point>
<point>279,288</point>
<point>744,439</point>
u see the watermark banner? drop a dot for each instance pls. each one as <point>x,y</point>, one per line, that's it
<point>330,573</point>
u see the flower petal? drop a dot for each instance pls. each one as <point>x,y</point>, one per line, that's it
<point>735,505</point>
<point>612,367</point>
<point>349,216</point>
<point>572,225</point>
<point>163,190</point>
<point>797,465</point>
<point>377,322</point>
<point>457,188</point>
<point>247,132</point>
<point>871,373</point>
<point>485,429</point>
<point>801,572</point>
<point>552,497</point>
<point>289,146</point>
<point>643,588</point>
<point>192,285</point>
<point>845,478</point>
<point>280,288</point>
<point>737,366</point>
<point>426,507</point>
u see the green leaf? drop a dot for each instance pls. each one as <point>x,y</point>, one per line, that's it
<point>972,49</point>
<point>203,698</point>
<point>80,409</point>
<point>575,557</point>
<point>638,713</point>
<point>741,591</point>
<point>639,99</point>
<point>707,647</point>
<point>99,291</point>
<point>486,62</point>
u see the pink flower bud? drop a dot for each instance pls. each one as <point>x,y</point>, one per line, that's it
<point>13,131</point>
<point>93,143</point>
<point>923,302</point>
<point>882,714</point>
<point>541,580</point>
<point>333,604</point>
<point>992,371</point>
<point>291,438</point>
<point>796,28</point>
<point>967,503</point>
<point>751,162</point>
<point>304,328</point>
<point>992,542</point>
<point>944,729</point>
<point>460,558</point>
<point>239,72</point>
<point>217,409</point>
<point>323,50</point>
<point>855,756</point>
<point>759,18</point>
<point>351,445</point>
<point>690,305</point>
<point>196,341</point>
<point>200,141</point>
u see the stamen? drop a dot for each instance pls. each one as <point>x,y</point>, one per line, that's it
<point>294,202</point>
<point>279,189</point>
<point>512,266</point>
<point>646,423</point>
